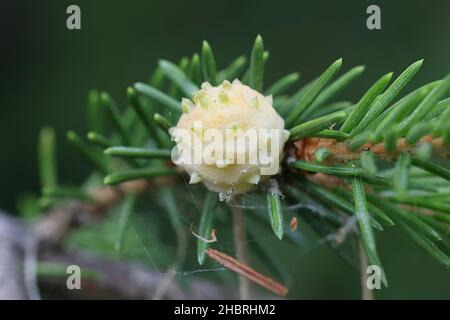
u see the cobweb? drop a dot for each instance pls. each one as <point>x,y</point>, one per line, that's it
<point>250,202</point>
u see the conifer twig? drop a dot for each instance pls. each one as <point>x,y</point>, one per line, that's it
<point>339,151</point>
<point>247,272</point>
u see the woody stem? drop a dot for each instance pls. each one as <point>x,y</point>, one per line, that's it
<point>240,240</point>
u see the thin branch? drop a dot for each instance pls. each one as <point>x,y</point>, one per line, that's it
<point>347,227</point>
<point>240,240</point>
<point>339,152</point>
<point>247,272</point>
<point>366,293</point>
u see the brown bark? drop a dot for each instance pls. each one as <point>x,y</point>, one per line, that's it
<point>305,149</point>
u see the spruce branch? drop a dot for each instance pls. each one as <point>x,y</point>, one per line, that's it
<point>341,159</point>
<point>339,152</point>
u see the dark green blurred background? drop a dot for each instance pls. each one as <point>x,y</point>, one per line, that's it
<point>48,70</point>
